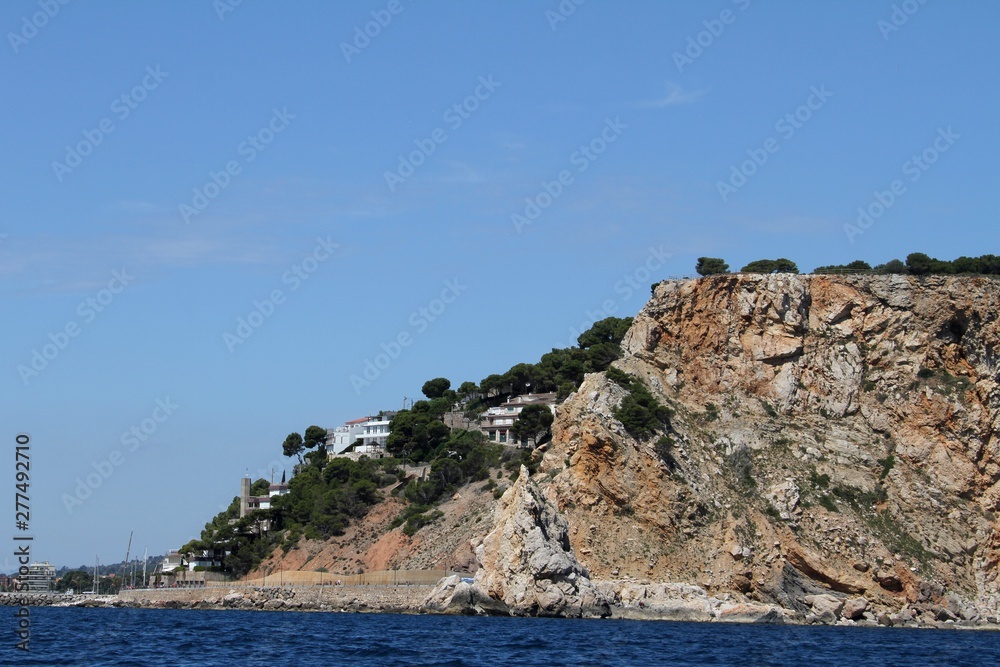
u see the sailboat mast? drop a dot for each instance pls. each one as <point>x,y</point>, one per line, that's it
<point>144,558</point>
<point>125,564</point>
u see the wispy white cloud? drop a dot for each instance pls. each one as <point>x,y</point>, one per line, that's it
<point>46,263</point>
<point>132,206</point>
<point>460,172</point>
<point>675,96</point>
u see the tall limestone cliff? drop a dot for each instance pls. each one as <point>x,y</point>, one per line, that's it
<point>831,436</point>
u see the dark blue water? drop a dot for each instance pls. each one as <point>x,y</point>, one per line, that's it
<point>236,638</point>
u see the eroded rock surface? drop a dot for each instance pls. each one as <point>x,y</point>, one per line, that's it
<point>526,564</point>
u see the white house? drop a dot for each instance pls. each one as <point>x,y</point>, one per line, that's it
<point>371,431</point>
<point>499,421</point>
<point>172,561</point>
<point>374,432</point>
<point>340,438</point>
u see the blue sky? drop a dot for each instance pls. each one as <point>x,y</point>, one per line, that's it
<point>174,167</point>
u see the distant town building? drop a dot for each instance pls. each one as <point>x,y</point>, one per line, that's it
<point>40,577</point>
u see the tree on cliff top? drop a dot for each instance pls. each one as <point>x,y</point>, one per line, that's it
<point>710,266</point>
<point>857,266</point>
<point>609,330</point>
<point>892,266</point>
<point>780,265</point>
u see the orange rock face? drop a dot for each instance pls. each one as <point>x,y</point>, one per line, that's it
<point>820,423</point>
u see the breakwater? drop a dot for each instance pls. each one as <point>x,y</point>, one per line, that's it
<point>358,598</point>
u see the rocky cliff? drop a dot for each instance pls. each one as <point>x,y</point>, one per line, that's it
<point>830,437</point>
<point>832,455</point>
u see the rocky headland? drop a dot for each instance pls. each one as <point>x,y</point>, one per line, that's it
<point>831,456</point>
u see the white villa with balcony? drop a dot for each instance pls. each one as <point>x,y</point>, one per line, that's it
<point>499,421</point>
<point>371,431</point>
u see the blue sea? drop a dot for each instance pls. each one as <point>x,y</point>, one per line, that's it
<point>139,637</point>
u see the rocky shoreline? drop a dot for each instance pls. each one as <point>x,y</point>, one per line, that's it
<point>629,601</point>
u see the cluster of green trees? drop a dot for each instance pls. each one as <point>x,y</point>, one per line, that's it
<point>640,413</point>
<point>419,433</point>
<point>780,265</point>
<point>81,581</point>
<point>860,266</point>
<point>323,497</point>
<point>921,264</point>
<point>562,370</point>
<point>227,532</point>
<point>710,266</point>
<point>314,440</point>
<point>916,264</point>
